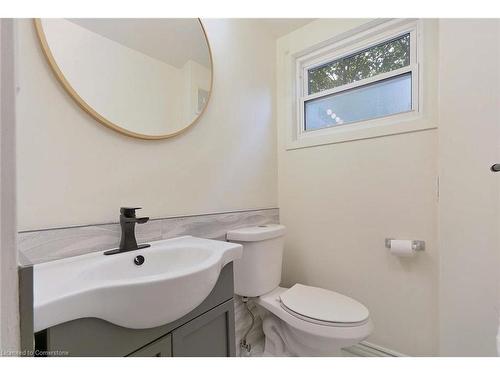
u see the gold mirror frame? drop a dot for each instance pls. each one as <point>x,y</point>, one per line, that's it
<point>91,111</point>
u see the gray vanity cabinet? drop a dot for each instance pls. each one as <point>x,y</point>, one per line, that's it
<point>206,331</point>
<point>159,348</point>
<point>209,335</point>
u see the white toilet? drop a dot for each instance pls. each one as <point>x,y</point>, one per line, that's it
<point>301,320</point>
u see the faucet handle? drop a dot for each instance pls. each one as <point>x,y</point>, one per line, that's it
<point>129,211</point>
<point>136,220</point>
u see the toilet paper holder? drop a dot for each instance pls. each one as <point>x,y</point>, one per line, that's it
<point>417,245</point>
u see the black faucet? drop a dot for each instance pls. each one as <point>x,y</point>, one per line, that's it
<point>127,222</point>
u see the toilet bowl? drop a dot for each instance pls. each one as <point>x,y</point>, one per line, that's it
<point>293,333</point>
<point>297,321</point>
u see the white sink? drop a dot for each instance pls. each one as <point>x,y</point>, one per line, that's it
<point>176,276</point>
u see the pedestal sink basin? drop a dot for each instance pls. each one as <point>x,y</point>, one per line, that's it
<point>176,276</point>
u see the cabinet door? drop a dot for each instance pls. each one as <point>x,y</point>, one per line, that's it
<point>209,335</point>
<point>158,348</point>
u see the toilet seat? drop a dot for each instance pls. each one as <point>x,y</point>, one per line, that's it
<point>321,322</point>
<point>271,302</point>
<point>322,306</point>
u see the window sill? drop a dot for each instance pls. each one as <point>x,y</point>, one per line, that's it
<point>392,125</point>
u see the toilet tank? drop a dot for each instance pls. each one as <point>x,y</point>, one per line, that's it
<point>258,271</point>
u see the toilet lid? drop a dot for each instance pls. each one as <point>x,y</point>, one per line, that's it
<point>324,305</point>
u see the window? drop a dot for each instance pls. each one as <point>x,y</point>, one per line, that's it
<point>382,58</point>
<point>372,76</point>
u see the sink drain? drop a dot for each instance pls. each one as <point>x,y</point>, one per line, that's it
<point>139,260</point>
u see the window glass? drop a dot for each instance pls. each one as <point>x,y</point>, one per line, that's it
<point>382,58</point>
<point>382,98</point>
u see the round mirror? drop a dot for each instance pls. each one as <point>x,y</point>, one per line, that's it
<point>146,78</point>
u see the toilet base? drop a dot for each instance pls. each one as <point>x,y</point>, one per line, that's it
<point>282,340</point>
<point>275,345</point>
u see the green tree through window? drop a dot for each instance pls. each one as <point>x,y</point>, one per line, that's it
<point>385,57</point>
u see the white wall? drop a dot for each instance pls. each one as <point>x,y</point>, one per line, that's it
<point>340,201</point>
<point>469,137</point>
<point>72,170</point>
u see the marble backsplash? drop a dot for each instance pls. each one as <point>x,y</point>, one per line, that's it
<point>40,246</point>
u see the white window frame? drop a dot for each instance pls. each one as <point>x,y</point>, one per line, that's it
<point>351,43</point>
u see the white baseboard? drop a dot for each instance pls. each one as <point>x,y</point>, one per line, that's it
<point>366,349</point>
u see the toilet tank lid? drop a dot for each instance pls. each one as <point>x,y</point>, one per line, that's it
<point>257,233</point>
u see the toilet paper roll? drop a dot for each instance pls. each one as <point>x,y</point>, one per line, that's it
<point>402,248</point>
